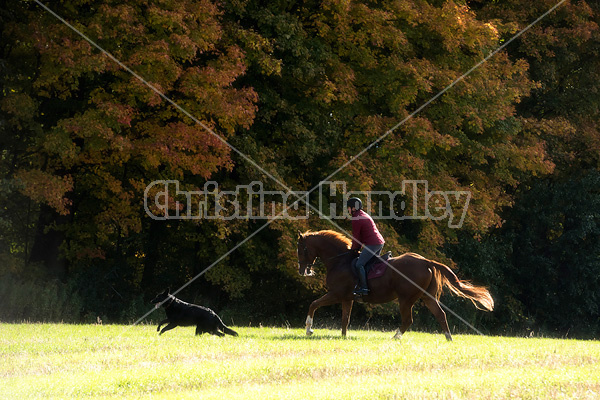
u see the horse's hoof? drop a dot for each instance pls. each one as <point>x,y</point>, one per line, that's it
<point>309,332</point>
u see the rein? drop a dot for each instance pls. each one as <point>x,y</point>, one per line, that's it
<point>316,258</point>
<point>341,254</point>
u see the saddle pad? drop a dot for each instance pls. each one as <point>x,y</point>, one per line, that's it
<point>377,270</point>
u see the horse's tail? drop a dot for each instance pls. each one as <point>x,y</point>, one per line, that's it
<point>463,288</point>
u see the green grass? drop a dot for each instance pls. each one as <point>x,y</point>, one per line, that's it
<point>116,361</point>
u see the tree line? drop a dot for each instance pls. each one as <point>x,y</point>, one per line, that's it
<point>299,88</point>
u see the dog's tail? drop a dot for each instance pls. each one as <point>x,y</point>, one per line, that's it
<point>229,331</point>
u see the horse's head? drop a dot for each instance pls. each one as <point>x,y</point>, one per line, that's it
<point>306,257</point>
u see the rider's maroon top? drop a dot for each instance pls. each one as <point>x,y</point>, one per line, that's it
<point>364,230</point>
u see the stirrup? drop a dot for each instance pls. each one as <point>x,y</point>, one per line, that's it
<point>361,291</point>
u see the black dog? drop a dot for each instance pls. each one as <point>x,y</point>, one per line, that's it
<point>180,313</point>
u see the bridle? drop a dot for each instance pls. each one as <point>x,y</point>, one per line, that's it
<point>305,253</point>
<point>311,266</point>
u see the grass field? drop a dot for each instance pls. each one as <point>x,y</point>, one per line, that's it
<point>116,361</point>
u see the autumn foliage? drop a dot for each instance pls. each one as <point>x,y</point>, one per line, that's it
<point>299,88</point>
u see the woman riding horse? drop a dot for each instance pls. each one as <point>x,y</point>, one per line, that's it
<point>366,235</point>
<point>408,278</point>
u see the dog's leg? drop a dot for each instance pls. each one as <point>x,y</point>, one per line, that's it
<point>218,333</point>
<point>199,330</point>
<point>168,328</point>
<point>164,321</point>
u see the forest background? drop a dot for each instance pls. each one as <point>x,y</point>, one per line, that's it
<point>298,87</point>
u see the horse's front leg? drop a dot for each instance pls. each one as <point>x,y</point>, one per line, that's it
<point>326,300</point>
<point>346,311</point>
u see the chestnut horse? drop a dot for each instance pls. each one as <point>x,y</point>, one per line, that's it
<point>408,278</point>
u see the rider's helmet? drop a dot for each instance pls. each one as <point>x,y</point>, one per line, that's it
<point>354,202</point>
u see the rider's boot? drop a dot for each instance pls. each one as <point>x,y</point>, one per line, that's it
<point>361,288</point>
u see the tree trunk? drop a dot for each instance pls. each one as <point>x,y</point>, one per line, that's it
<point>48,239</point>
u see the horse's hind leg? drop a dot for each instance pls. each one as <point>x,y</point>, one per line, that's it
<point>439,314</point>
<point>407,318</point>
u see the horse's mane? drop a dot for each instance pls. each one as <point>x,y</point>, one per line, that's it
<point>334,236</point>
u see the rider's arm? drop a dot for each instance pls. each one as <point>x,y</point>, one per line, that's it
<point>356,230</point>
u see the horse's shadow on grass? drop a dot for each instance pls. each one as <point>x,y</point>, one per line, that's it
<point>296,337</point>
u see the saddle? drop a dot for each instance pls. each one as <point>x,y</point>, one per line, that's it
<point>376,266</point>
